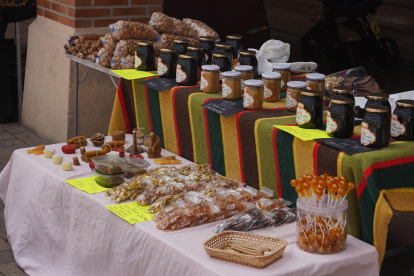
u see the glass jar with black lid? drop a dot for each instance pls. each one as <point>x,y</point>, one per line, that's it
<point>208,44</point>
<point>340,118</point>
<point>236,45</point>
<point>181,45</point>
<point>145,56</point>
<point>340,91</point>
<point>167,63</point>
<point>187,70</point>
<point>198,51</point>
<point>248,58</point>
<point>222,61</point>
<point>379,99</point>
<point>376,126</point>
<point>222,47</point>
<point>402,121</point>
<point>309,113</point>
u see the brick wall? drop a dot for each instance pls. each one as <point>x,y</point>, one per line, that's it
<point>97,13</point>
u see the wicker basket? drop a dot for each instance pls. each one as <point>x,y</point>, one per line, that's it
<point>214,245</point>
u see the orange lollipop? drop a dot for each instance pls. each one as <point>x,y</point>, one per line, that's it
<point>299,189</point>
<point>294,182</point>
<point>340,192</point>
<point>306,187</point>
<point>351,186</point>
<point>344,178</point>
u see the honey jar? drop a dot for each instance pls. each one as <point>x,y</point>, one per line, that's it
<point>309,113</point>
<point>379,99</point>
<point>210,78</point>
<point>402,121</point>
<point>376,126</point>
<point>246,72</point>
<point>293,94</point>
<point>187,70</point>
<point>284,70</point>
<point>167,63</point>
<point>198,51</point>
<point>340,119</point>
<point>145,56</point>
<point>253,94</point>
<point>236,45</point>
<point>222,47</point>
<point>208,44</point>
<point>181,46</point>
<point>315,81</point>
<point>231,85</point>
<point>222,61</point>
<point>272,86</point>
<point>248,58</point>
<point>340,91</point>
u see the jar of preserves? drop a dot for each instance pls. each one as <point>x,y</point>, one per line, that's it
<point>340,91</point>
<point>222,61</point>
<point>294,88</point>
<point>231,85</point>
<point>210,78</point>
<point>376,126</point>
<point>272,86</point>
<point>309,113</point>
<point>181,45</point>
<point>208,44</point>
<point>379,99</point>
<point>402,121</point>
<point>284,70</point>
<point>187,70</point>
<point>222,47</point>
<point>145,56</point>
<point>198,51</point>
<point>340,119</point>
<point>236,45</point>
<point>253,94</point>
<point>315,81</point>
<point>167,63</point>
<point>246,72</point>
<point>248,58</point>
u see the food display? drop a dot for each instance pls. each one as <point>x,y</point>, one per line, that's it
<point>293,93</point>
<point>231,85</point>
<point>253,94</point>
<point>402,124</point>
<point>76,161</point>
<point>108,181</point>
<point>133,30</point>
<point>135,166</point>
<point>284,70</point>
<point>97,139</point>
<point>376,126</point>
<point>247,57</point>
<point>84,46</point>
<point>67,166</point>
<point>340,118</point>
<point>118,135</point>
<point>208,44</point>
<point>87,156</point>
<point>201,28</point>
<point>48,153</point>
<point>109,165</point>
<point>37,150</point>
<point>236,45</point>
<point>322,217</point>
<point>272,82</point>
<point>104,58</point>
<point>315,82</point>
<point>380,99</point>
<point>187,70</point>
<point>57,159</point>
<point>309,113</point>
<point>164,24</point>
<point>167,63</point>
<point>154,150</point>
<point>331,82</point>
<point>210,78</point>
<point>125,47</point>
<point>246,72</point>
<point>108,146</point>
<point>78,141</point>
<point>169,160</point>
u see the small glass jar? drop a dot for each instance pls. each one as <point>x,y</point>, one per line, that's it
<point>187,70</point>
<point>145,56</point>
<point>309,113</point>
<point>284,70</point>
<point>167,63</point>
<point>315,81</point>
<point>246,73</point>
<point>379,99</point>
<point>208,44</point>
<point>293,94</point>
<point>248,58</point>
<point>222,47</point>
<point>272,86</point>
<point>222,61</point>
<point>210,78</point>
<point>341,117</point>
<point>198,51</point>
<point>181,46</point>
<point>376,126</point>
<point>231,85</point>
<point>253,94</point>
<point>236,45</point>
<point>340,91</point>
<point>402,123</point>
<point>140,135</point>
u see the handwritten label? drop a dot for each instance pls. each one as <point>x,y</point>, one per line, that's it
<point>303,133</point>
<point>247,100</point>
<point>397,128</point>
<point>160,84</point>
<point>162,68</point>
<point>267,92</point>
<point>302,116</point>
<point>87,185</point>
<point>225,89</point>
<point>138,61</point>
<point>290,102</point>
<point>223,107</point>
<point>131,212</point>
<point>132,74</point>
<point>367,137</point>
<point>331,125</point>
<point>181,75</point>
<point>203,82</point>
<point>348,145</point>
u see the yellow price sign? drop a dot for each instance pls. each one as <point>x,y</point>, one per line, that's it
<point>304,134</point>
<point>132,74</point>
<point>87,185</point>
<point>131,212</point>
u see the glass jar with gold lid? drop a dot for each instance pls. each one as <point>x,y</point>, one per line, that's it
<point>145,56</point>
<point>181,45</point>
<point>247,57</point>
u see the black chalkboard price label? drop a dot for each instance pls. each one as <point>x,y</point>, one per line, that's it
<point>223,107</point>
<point>348,145</point>
<point>160,84</point>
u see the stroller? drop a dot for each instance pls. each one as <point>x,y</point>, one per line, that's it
<point>324,37</point>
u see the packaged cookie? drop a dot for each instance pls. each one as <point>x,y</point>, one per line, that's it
<point>201,28</point>
<point>104,58</point>
<point>164,24</point>
<point>133,30</point>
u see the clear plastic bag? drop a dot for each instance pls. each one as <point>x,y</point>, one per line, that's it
<point>164,24</point>
<point>202,29</point>
<point>109,43</point>
<point>335,78</point>
<point>133,30</point>
<point>128,62</point>
<point>104,58</point>
<point>126,47</point>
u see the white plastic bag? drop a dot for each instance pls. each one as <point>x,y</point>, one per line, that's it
<point>272,51</point>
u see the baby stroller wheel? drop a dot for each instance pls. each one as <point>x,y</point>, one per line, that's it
<point>311,53</point>
<point>341,57</point>
<point>388,53</point>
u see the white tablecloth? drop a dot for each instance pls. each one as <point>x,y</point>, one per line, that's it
<point>55,229</point>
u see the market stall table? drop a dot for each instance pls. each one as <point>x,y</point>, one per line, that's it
<point>56,229</point>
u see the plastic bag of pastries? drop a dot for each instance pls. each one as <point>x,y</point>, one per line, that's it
<point>126,47</point>
<point>133,30</point>
<point>104,58</point>
<point>164,24</point>
<point>128,62</point>
<point>116,63</point>
<point>109,43</point>
<point>167,40</point>
<point>201,28</point>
